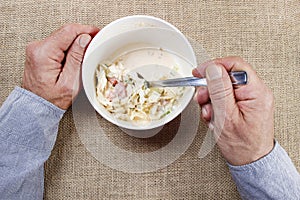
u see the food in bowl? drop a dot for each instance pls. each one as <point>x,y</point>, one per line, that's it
<point>126,97</point>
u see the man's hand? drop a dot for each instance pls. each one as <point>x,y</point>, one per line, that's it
<point>247,132</point>
<point>53,66</point>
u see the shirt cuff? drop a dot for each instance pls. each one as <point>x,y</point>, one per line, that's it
<point>27,119</point>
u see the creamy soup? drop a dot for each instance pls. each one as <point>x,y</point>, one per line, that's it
<point>124,94</point>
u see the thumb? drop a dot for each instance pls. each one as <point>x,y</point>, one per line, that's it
<point>76,52</point>
<point>221,93</point>
<point>70,75</point>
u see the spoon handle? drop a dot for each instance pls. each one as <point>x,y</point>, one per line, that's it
<point>237,78</point>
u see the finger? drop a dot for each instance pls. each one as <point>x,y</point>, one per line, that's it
<point>76,52</point>
<point>197,73</point>
<point>201,96</point>
<point>206,112</point>
<point>63,38</point>
<point>70,74</point>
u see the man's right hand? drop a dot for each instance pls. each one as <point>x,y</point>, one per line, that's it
<point>247,132</point>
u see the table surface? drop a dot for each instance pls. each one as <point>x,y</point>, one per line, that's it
<point>266,33</point>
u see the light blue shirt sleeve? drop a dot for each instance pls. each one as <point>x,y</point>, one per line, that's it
<point>271,177</point>
<point>28,129</point>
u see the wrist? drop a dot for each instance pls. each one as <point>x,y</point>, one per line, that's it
<point>244,156</point>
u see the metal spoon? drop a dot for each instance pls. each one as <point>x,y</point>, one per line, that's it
<point>237,78</point>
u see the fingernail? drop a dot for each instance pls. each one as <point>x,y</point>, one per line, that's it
<point>213,72</point>
<point>204,111</point>
<point>84,40</point>
<point>196,96</point>
<point>211,126</point>
<point>196,72</point>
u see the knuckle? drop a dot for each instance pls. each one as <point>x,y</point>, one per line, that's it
<point>66,91</point>
<point>269,99</point>
<point>33,54</point>
<point>62,31</point>
<point>225,93</point>
<point>266,98</point>
<point>69,27</point>
<point>220,91</point>
<point>239,61</point>
<point>238,58</point>
<point>31,48</point>
<point>65,29</point>
<point>76,57</point>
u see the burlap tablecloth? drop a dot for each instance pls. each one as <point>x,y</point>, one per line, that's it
<point>266,33</point>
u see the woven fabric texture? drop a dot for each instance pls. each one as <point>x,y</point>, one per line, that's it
<point>266,33</point>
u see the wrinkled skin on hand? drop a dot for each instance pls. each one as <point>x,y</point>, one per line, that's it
<point>247,132</point>
<point>53,65</point>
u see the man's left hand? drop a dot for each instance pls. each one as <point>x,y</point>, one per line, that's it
<point>53,65</point>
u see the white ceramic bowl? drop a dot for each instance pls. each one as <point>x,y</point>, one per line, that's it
<point>154,33</point>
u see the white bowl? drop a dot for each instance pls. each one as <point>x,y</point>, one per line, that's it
<point>162,35</point>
